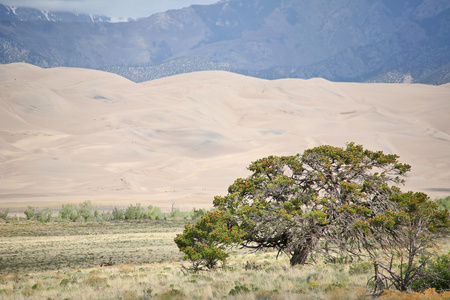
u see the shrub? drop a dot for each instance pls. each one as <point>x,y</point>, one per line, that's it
<point>175,213</point>
<point>106,216</point>
<point>44,215</point>
<point>153,213</point>
<point>444,203</point>
<point>4,214</point>
<point>436,275</point>
<point>30,212</point>
<point>68,212</point>
<point>239,289</point>
<point>118,214</point>
<point>64,282</point>
<point>198,213</point>
<point>85,210</point>
<point>406,237</point>
<point>135,212</point>
<point>204,243</point>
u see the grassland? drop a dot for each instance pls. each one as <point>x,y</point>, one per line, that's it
<point>63,261</point>
<point>28,246</point>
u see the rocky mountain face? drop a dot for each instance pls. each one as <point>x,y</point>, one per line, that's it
<point>339,40</point>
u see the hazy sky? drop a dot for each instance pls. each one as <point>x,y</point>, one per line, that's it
<point>112,8</point>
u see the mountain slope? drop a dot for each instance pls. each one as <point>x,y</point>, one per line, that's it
<point>340,40</point>
<point>25,14</point>
<point>74,134</point>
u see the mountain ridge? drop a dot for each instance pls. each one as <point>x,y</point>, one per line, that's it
<point>27,14</point>
<point>367,41</point>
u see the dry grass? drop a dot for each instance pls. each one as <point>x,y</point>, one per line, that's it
<point>272,279</point>
<point>33,246</point>
<point>62,261</point>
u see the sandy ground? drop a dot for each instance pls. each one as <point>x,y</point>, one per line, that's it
<point>71,135</point>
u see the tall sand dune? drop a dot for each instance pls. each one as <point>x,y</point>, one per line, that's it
<point>70,135</point>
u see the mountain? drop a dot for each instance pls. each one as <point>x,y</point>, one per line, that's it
<point>71,134</point>
<point>25,14</point>
<point>339,40</point>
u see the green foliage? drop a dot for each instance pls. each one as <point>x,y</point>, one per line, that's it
<point>443,203</point>
<point>83,213</point>
<point>239,289</point>
<point>294,203</point>
<point>30,212</point>
<point>153,212</point>
<point>64,282</point>
<point>97,215</point>
<point>198,213</point>
<point>175,214</point>
<point>68,212</point>
<point>4,214</point>
<point>118,214</point>
<point>86,211</point>
<point>436,274</point>
<point>405,234</point>
<point>204,242</point>
<point>45,215</point>
<point>135,212</point>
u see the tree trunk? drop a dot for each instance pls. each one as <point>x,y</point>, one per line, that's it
<point>300,256</point>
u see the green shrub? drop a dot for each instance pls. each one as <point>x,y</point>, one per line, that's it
<point>154,213</point>
<point>436,275</point>
<point>106,216</point>
<point>135,212</point>
<point>239,289</point>
<point>198,213</point>
<point>64,282</point>
<point>205,242</point>
<point>86,211</point>
<point>68,212</point>
<point>118,214</point>
<point>44,215</point>
<point>30,212</point>
<point>4,214</point>
<point>444,203</point>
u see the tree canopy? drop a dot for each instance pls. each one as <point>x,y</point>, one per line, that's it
<point>329,200</point>
<point>293,203</point>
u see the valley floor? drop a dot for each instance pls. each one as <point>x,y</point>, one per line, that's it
<point>139,260</point>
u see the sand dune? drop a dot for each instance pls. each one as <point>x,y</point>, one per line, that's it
<point>73,135</point>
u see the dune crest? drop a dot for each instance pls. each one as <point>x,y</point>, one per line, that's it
<point>73,134</point>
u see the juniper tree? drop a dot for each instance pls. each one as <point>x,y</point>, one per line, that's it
<point>204,243</point>
<point>401,242</point>
<point>312,202</point>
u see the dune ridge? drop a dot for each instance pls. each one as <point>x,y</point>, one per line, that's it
<point>71,134</point>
